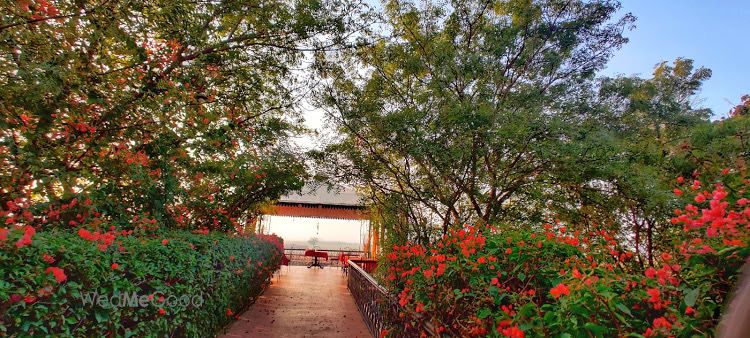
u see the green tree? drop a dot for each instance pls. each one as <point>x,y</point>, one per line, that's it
<point>461,110</point>
<point>645,122</point>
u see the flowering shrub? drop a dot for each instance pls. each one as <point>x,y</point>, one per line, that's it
<point>190,284</point>
<point>551,281</point>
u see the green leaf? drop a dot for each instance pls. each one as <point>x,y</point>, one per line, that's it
<point>596,329</point>
<point>691,296</point>
<point>484,313</point>
<point>624,309</point>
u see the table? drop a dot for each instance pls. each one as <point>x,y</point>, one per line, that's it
<point>316,254</point>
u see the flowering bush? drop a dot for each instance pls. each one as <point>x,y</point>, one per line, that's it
<point>551,281</point>
<point>62,284</point>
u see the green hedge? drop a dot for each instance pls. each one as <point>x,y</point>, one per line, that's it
<point>220,275</point>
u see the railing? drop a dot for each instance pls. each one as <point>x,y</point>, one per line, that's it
<point>381,311</point>
<point>374,302</point>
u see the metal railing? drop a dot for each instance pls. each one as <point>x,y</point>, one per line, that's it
<point>374,302</point>
<point>381,311</point>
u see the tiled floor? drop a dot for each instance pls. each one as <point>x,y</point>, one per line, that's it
<point>303,303</point>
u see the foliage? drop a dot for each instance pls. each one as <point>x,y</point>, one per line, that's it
<point>45,283</point>
<point>175,111</point>
<point>461,109</point>
<point>552,281</point>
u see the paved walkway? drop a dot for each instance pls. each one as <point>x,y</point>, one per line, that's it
<point>303,303</point>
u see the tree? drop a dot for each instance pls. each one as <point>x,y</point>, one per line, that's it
<point>134,112</point>
<point>647,122</point>
<point>460,110</point>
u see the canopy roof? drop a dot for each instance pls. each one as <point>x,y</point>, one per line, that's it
<point>322,202</point>
<point>321,195</point>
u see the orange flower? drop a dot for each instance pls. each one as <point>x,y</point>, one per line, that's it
<point>559,290</point>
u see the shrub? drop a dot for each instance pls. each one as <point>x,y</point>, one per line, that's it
<point>48,281</point>
<point>550,281</point>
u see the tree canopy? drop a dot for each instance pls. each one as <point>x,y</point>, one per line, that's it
<point>176,112</point>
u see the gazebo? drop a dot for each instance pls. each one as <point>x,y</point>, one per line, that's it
<point>325,202</point>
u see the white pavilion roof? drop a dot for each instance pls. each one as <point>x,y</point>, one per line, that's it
<point>321,194</point>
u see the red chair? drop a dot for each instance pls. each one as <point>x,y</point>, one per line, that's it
<point>284,261</point>
<point>344,259</point>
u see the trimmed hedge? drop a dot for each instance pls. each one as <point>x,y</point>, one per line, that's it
<point>184,284</point>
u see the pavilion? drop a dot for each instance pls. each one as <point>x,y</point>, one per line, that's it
<point>323,202</point>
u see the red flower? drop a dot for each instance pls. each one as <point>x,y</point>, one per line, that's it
<point>662,322</point>
<point>15,298</point>
<point>441,269</point>
<point>576,273</point>
<point>653,294</point>
<point>689,310</point>
<point>650,272</point>
<point>700,199</point>
<point>58,273</point>
<point>29,299</point>
<point>559,290</point>
<point>513,332</point>
<point>28,234</point>
<point>680,180</point>
<point>677,192</point>
<point>383,333</point>
<point>48,259</point>
<point>115,266</point>
<point>509,251</point>
<point>164,242</point>
<point>229,312</point>
<point>3,235</point>
<point>161,311</point>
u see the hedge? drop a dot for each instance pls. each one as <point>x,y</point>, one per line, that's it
<point>177,284</point>
<point>552,280</point>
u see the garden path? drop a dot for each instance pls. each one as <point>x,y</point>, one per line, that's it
<point>302,302</point>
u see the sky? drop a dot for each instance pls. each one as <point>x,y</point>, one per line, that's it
<point>712,33</point>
